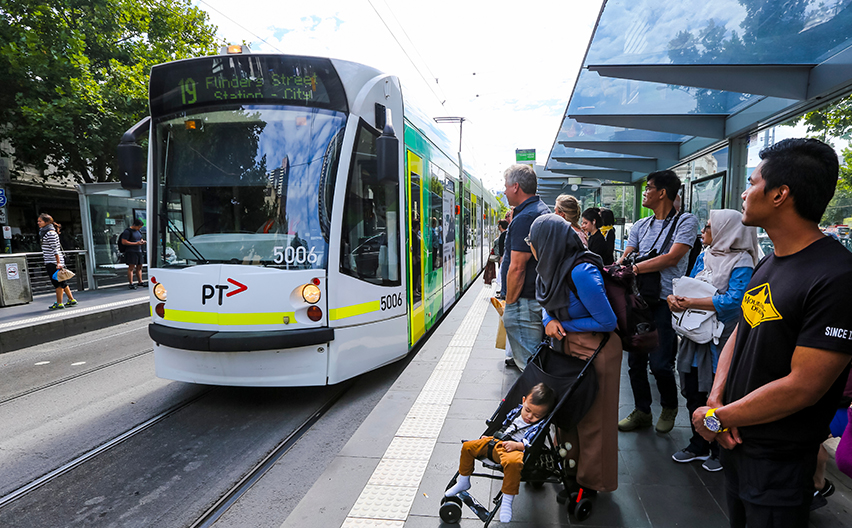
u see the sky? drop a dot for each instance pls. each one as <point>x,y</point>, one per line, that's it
<point>508,69</point>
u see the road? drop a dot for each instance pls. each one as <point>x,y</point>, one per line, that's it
<point>59,402</point>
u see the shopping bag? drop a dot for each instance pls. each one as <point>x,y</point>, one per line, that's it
<point>64,274</point>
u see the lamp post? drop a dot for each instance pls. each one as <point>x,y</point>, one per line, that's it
<point>460,121</point>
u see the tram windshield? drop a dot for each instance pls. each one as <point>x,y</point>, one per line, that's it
<point>246,185</point>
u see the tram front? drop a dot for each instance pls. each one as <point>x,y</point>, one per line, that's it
<point>242,167</point>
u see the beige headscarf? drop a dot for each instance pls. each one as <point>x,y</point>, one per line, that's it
<point>734,246</point>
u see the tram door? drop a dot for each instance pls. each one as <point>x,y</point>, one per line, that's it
<point>416,312</point>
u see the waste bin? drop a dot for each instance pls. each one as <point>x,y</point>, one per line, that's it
<point>14,280</point>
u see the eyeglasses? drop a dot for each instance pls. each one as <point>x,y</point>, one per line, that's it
<point>707,227</point>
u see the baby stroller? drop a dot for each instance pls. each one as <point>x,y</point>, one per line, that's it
<point>576,387</point>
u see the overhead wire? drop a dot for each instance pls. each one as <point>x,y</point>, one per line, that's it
<point>241,26</point>
<point>420,73</point>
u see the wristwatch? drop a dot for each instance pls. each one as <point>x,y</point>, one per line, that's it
<point>712,422</point>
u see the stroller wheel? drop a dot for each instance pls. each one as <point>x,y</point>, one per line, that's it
<point>450,511</point>
<point>583,510</point>
<point>572,503</point>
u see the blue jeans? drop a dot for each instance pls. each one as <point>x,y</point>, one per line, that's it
<point>662,362</point>
<point>523,329</point>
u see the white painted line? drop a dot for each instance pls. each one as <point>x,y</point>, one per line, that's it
<point>77,364</point>
<point>75,310</point>
<point>41,363</point>
<point>387,497</point>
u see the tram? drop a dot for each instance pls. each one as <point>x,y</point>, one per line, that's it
<point>294,238</point>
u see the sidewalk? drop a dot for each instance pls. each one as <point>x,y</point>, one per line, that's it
<point>394,469</point>
<point>32,324</point>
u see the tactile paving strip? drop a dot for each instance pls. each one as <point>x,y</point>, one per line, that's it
<point>390,492</point>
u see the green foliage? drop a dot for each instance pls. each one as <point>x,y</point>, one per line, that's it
<point>76,75</point>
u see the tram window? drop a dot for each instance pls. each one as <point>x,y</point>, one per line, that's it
<point>370,232</point>
<point>436,215</point>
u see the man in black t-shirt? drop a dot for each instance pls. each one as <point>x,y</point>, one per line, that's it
<point>522,313</point>
<point>782,373</point>
<point>132,241</point>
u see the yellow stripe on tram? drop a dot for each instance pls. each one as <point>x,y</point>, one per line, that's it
<point>335,314</point>
<point>229,319</point>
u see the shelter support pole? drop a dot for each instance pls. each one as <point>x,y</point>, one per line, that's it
<point>735,179</point>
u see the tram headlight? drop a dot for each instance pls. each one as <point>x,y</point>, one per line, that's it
<point>160,292</point>
<point>311,293</point>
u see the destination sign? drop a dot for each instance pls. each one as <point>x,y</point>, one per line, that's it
<point>266,79</point>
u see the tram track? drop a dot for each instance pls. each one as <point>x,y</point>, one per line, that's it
<point>69,466</point>
<point>258,471</point>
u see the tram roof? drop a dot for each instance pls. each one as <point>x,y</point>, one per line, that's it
<point>664,82</point>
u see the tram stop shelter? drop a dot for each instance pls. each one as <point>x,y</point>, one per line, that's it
<point>107,210</point>
<point>698,87</point>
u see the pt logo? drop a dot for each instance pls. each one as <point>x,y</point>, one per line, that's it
<point>208,291</point>
<point>757,306</point>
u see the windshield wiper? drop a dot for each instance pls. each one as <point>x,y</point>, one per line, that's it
<point>170,225</point>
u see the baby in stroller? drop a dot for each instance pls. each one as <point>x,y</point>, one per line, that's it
<point>554,389</point>
<point>507,446</point>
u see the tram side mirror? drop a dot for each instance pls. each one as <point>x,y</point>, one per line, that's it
<point>132,165</point>
<point>387,155</point>
<point>132,157</point>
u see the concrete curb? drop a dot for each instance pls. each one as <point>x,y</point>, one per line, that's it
<point>27,336</point>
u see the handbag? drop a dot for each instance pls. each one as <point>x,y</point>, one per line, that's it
<point>64,274</point>
<point>581,344</point>
<point>700,326</point>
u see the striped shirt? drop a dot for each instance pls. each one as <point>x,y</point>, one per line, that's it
<point>50,247</point>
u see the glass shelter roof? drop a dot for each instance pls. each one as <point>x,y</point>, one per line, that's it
<point>663,81</point>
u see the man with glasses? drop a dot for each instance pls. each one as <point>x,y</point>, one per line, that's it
<point>661,243</point>
<point>522,314</point>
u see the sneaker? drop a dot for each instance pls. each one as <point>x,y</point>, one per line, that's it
<point>510,362</point>
<point>132,287</point>
<point>667,420</point>
<point>72,302</point>
<point>685,455</point>
<point>56,306</point>
<point>143,284</point>
<point>827,489</point>
<point>818,501</point>
<point>712,464</point>
<point>635,420</point>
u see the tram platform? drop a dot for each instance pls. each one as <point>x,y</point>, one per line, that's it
<point>31,324</point>
<point>394,469</point>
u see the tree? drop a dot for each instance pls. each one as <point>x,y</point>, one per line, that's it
<point>76,76</point>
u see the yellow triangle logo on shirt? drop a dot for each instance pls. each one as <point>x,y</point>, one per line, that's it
<point>757,306</point>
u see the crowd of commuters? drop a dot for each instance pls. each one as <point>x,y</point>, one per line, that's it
<point>763,374</point>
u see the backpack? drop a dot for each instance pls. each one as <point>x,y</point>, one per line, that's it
<point>693,254</point>
<point>634,316</point>
<point>121,247</point>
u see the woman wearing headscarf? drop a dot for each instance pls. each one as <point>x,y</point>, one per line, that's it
<point>571,291</point>
<point>727,263</point>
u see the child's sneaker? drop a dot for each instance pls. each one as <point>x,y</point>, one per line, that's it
<point>56,306</point>
<point>72,302</point>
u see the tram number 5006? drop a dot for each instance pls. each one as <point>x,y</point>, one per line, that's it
<point>391,301</point>
<point>291,255</point>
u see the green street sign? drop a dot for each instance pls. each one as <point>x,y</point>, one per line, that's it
<point>524,155</point>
